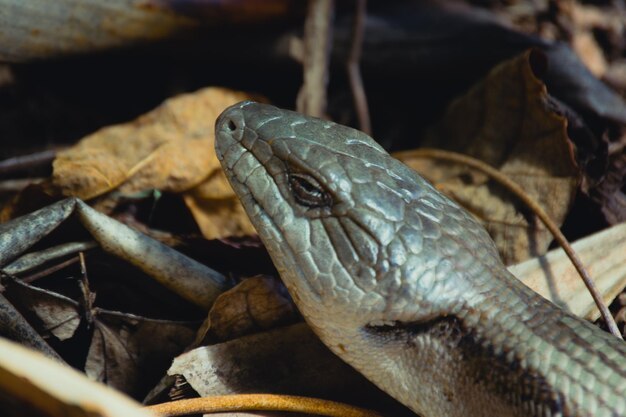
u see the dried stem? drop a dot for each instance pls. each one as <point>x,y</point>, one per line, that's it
<point>48,271</point>
<point>19,163</point>
<point>260,402</point>
<point>354,70</point>
<point>317,42</point>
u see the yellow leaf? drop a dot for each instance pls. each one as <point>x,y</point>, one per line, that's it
<point>170,149</point>
<point>217,210</point>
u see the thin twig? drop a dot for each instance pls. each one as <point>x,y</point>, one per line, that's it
<point>88,297</point>
<point>317,42</point>
<point>48,271</point>
<point>535,207</point>
<point>260,402</point>
<point>16,185</point>
<point>23,162</point>
<point>354,69</point>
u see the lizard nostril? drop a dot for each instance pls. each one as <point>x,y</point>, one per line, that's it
<point>231,125</point>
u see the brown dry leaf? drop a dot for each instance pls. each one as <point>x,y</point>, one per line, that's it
<point>508,121</point>
<point>130,352</point>
<point>58,314</point>
<point>216,208</point>
<point>290,360</point>
<point>170,148</point>
<point>257,303</point>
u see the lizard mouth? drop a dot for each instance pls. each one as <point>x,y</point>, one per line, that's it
<point>240,164</point>
<point>256,188</point>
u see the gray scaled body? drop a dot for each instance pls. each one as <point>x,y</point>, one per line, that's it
<point>402,283</point>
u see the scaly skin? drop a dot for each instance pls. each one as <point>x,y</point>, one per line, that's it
<point>403,284</point>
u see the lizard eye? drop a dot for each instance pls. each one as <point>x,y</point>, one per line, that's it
<point>308,192</point>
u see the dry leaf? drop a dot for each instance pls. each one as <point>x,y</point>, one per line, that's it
<point>556,279</point>
<point>257,303</point>
<point>289,360</point>
<point>130,352</point>
<point>170,148</point>
<point>508,121</point>
<point>59,315</point>
<point>38,30</point>
<point>217,210</point>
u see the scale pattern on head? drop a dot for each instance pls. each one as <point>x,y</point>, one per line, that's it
<point>355,226</point>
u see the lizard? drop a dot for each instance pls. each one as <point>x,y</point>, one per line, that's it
<point>402,283</point>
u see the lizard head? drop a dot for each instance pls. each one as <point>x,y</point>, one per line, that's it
<point>353,232</point>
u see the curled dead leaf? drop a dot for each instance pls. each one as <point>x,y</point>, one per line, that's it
<point>257,303</point>
<point>216,208</point>
<point>59,315</point>
<point>170,148</point>
<point>130,352</point>
<point>509,121</point>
